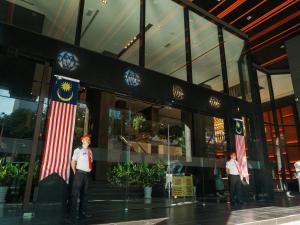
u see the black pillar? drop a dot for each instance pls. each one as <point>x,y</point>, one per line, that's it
<point>292,47</point>
<point>223,61</point>
<point>259,151</point>
<point>35,140</point>
<point>188,54</point>
<point>79,22</point>
<point>142,33</point>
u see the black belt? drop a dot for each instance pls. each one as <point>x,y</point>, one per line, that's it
<point>81,171</point>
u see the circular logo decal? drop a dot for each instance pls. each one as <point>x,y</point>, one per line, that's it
<point>132,78</point>
<point>214,102</point>
<point>67,61</point>
<point>178,92</point>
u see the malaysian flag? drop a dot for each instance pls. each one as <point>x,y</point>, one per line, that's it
<point>241,148</point>
<point>60,128</point>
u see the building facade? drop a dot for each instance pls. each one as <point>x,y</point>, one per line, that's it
<point>179,73</point>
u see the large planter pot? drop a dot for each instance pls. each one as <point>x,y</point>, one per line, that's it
<point>147,192</point>
<point>3,192</point>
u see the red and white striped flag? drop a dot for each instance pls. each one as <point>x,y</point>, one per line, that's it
<point>241,149</point>
<point>60,128</point>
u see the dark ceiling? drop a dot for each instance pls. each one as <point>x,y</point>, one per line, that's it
<point>268,23</point>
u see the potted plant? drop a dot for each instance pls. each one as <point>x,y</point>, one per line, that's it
<point>4,180</point>
<point>138,122</point>
<point>121,174</point>
<point>148,175</point>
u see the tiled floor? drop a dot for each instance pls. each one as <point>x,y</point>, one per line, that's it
<point>139,212</point>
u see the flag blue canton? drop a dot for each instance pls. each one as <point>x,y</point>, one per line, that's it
<point>238,127</point>
<point>65,91</point>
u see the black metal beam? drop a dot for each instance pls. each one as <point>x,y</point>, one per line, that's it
<point>188,54</point>
<point>201,12</point>
<point>210,79</point>
<point>142,33</point>
<point>279,72</point>
<point>223,61</point>
<point>79,23</point>
<point>242,82</point>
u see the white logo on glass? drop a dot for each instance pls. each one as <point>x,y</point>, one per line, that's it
<point>132,78</point>
<point>67,61</point>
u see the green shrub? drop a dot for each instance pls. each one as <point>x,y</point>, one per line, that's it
<point>137,174</point>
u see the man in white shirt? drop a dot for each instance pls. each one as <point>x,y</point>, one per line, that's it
<point>81,165</point>
<point>233,170</point>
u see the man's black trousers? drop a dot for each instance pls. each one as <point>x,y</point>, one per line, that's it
<point>80,189</point>
<point>235,188</point>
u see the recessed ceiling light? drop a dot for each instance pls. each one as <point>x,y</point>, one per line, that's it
<point>104,2</point>
<point>282,46</point>
<point>249,18</point>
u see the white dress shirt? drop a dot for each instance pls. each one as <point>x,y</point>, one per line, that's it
<point>80,155</point>
<point>233,165</point>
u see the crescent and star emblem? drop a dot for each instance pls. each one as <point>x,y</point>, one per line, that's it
<point>65,87</point>
<point>238,128</point>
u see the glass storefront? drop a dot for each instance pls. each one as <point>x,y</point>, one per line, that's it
<point>287,125</point>
<point>113,29</point>
<point>138,139</point>
<point>21,83</point>
<point>138,144</point>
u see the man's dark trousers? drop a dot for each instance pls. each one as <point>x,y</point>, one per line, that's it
<point>80,188</point>
<point>235,188</point>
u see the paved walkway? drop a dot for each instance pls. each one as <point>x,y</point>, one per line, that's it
<point>280,211</point>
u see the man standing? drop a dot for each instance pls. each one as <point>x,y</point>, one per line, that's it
<point>82,166</point>
<point>233,169</point>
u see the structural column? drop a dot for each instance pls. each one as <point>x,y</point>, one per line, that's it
<point>293,47</point>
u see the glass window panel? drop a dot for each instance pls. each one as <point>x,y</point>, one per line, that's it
<point>206,64</point>
<point>55,18</point>
<point>19,95</point>
<point>263,87</point>
<point>165,40</point>
<point>282,85</point>
<point>112,28</point>
<point>233,50</point>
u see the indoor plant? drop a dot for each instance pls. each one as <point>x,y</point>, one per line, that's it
<point>4,180</point>
<point>137,174</point>
<point>147,175</point>
<point>121,174</point>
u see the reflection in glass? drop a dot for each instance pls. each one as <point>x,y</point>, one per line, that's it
<point>263,87</point>
<point>205,53</point>
<point>282,85</point>
<point>165,40</point>
<point>233,51</point>
<point>112,28</point>
<point>19,94</point>
<point>55,18</point>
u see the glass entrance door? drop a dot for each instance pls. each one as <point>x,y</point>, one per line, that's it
<point>21,107</point>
